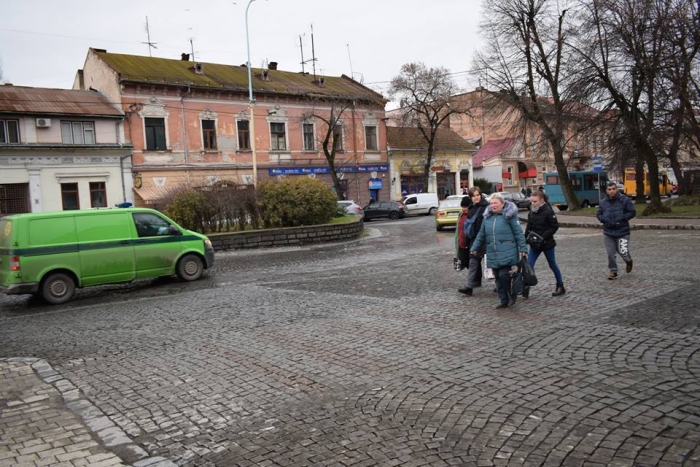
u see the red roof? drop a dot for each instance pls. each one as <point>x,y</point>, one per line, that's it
<point>44,101</point>
<point>494,148</point>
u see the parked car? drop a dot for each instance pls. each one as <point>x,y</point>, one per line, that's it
<point>421,203</point>
<point>448,212</point>
<point>518,198</point>
<point>391,209</point>
<point>351,207</point>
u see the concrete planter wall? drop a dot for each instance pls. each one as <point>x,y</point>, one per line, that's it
<point>287,236</point>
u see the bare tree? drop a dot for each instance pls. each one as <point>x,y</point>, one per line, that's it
<point>624,50</point>
<point>679,88</point>
<point>330,134</point>
<point>526,60</point>
<point>424,95</point>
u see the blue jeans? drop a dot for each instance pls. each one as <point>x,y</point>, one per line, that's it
<point>551,260</point>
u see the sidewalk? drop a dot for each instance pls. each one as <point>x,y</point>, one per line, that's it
<point>653,223</point>
<point>45,421</point>
<point>649,223</point>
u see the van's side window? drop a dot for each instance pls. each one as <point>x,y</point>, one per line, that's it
<point>150,225</point>
<point>411,201</point>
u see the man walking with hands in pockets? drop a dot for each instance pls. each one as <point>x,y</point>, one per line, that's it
<point>615,212</point>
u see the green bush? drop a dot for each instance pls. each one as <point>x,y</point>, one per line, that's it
<point>188,208</point>
<point>296,201</point>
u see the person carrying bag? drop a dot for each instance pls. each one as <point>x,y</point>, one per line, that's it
<point>542,224</point>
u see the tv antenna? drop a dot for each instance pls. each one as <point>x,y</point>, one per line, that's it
<point>192,48</point>
<point>313,58</point>
<point>350,60</point>
<point>151,45</point>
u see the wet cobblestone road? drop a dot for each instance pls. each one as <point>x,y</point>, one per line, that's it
<point>364,354</point>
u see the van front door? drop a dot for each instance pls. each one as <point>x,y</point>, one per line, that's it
<point>156,247</point>
<point>410,204</point>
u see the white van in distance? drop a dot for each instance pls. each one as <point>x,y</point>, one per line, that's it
<point>421,203</point>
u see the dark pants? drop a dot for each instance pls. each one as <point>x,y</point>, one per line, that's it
<point>503,283</point>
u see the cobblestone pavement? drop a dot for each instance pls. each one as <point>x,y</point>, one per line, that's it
<point>364,354</point>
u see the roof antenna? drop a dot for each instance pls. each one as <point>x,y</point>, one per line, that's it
<point>151,45</point>
<point>352,74</point>
<point>313,52</point>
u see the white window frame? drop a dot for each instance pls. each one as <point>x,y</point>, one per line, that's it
<point>6,132</point>
<point>286,144</point>
<point>238,134</point>
<point>83,129</point>
<point>216,143</point>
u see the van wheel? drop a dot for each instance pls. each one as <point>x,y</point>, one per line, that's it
<point>57,288</point>
<point>586,204</point>
<point>432,211</point>
<point>393,215</point>
<point>190,268</point>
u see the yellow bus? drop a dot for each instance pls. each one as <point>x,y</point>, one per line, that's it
<point>665,185</point>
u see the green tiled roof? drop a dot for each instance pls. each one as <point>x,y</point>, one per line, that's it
<point>214,76</point>
<point>411,138</point>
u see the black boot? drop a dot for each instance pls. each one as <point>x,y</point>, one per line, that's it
<point>465,290</point>
<point>526,292</point>
<point>559,291</point>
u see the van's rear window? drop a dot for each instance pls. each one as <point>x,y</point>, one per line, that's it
<point>5,233</point>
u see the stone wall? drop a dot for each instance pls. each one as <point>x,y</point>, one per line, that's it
<point>287,236</point>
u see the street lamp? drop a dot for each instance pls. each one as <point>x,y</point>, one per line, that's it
<point>251,101</point>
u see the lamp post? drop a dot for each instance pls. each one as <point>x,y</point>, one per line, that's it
<point>251,101</point>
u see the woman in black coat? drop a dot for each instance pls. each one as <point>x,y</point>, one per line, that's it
<point>543,221</point>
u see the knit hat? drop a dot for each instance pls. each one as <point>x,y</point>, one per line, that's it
<point>466,202</point>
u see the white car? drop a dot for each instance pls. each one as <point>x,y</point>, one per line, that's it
<point>351,207</point>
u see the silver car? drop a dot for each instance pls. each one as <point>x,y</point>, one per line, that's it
<point>351,207</point>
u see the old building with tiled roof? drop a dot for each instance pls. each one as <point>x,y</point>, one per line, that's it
<point>61,149</point>
<point>191,123</point>
<point>450,168</point>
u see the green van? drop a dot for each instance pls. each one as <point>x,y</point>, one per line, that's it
<point>51,253</point>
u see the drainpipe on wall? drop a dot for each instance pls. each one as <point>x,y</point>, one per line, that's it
<point>184,132</point>
<point>354,146</point>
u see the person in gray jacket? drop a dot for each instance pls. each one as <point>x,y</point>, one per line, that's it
<point>505,245</point>
<point>615,212</point>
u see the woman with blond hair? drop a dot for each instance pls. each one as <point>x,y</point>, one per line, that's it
<point>505,244</point>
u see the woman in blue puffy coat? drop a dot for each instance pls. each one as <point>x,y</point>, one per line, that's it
<point>505,244</point>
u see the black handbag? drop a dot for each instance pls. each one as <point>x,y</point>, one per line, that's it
<point>528,273</point>
<point>535,240</point>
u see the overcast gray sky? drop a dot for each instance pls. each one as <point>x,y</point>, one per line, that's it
<point>44,42</point>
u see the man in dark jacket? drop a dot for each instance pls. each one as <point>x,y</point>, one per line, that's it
<point>615,212</point>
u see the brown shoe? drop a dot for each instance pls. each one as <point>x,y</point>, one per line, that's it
<point>502,305</point>
<point>629,266</point>
<point>612,276</point>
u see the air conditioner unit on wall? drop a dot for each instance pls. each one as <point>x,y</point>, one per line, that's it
<point>43,123</point>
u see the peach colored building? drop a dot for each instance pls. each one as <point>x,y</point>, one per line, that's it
<point>190,124</point>
<point>513,155</point>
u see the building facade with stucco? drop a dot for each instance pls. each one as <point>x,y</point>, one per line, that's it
<point>192,125</point>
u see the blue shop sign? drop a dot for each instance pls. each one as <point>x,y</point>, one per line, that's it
<point>375,183</point>
<point>327,170</point>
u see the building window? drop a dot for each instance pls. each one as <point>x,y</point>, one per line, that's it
<point>371,138</point>
<point>209,134</point>
<point>14,198</point>
<point>98,195</point>
<point>510,176</point>
<point>338,137</point>
<point>309,140</point>
<point>78,132</point>
<point>155,134</point>
<point>278,136</point>
<point>243,135</point>
<point>69,196</point>
<point>533,139</point>
<point>9,131</point>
